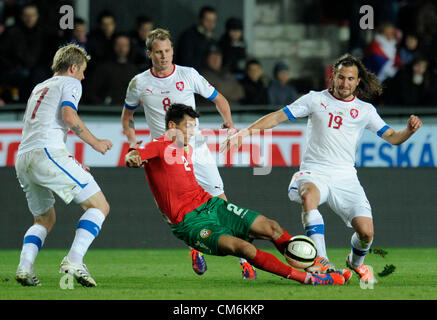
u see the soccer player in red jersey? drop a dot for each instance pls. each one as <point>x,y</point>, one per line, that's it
<point>209,224</point>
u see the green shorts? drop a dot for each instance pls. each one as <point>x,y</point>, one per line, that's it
<point>202,228</point>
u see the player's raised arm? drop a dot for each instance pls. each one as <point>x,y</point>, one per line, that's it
<point>268,121</point>
<point>75,123</point>
<point>397,137</point>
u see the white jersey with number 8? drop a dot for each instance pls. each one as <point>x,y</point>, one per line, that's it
<point>156,94</point>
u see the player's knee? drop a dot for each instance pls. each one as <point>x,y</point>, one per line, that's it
<point>47,220</point>
<point>265,228</point>
<point>105,208</point>
<point>97,201</point>
<point>366,234</point>
<point>275,229</point>
<point>309,198</point>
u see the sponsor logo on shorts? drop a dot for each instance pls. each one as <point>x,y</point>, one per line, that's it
<point>204,233</point>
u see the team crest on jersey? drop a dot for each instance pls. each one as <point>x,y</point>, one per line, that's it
<point>180,86</point>
<point>204,233</point>
<point>354,113</point>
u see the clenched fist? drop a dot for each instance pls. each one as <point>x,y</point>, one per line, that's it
<point>133,159</point>
<point>414,123</point>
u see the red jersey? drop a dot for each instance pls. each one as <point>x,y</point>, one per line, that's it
<point>170,175</point>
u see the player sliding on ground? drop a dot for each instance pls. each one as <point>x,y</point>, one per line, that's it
<point>336,120</point>
<point>45,166</point>
<point>156,89</point>
<point>209,224</point>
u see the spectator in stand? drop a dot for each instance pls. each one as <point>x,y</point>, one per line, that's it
<point>255,90</point>
<point>100,40</point>
<point>195,42</point>
<point>221,78</point>
<point>9,11</point>
<point>109,80</point>
<point>409,48</point>
<point>79,35</point>
<point>138,41</point>
<point>233,47</point>
<point>382,57</point>
<point>432,97</point>
<point>24,59</point>
<point>410,86</point>
<point>426,27</point>
<point>280,91</point>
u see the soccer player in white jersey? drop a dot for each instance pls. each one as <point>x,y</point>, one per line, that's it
<point>156,89</point>
<point>336,120</point>
<point>44,166</point>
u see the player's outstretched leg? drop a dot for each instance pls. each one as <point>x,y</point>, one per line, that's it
<point>32,244</point>
<point>268,262</point>
<point>87,229</point>
<point>264,228</point>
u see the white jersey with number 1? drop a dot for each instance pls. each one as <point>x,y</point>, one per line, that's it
<point>156,94</point>
<point>43,125</point>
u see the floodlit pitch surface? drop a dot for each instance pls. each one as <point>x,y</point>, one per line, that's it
<point>152,274</point>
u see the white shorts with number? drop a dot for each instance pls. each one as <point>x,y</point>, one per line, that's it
<point>205,168</point>
<point>44,171</point>
<point>342,191</point>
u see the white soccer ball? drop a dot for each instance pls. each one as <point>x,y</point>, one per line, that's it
<point>300,252</point>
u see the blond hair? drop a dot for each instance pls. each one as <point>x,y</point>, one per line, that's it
<point>68,55</point>
<point>157,34</point>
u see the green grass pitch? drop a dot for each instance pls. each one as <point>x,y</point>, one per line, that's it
<point>152,274</point>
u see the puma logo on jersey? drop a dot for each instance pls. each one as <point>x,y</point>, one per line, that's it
<point>323,105</point>
<point>149,91</point>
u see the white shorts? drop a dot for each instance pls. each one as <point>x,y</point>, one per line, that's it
<point>342,191</point>
<point>44,171</point>
<point>205,169</point>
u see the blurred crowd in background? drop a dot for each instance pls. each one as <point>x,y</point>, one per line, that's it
<point>402,53</point>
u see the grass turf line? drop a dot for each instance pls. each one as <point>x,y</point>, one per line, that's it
<point>166,274</point>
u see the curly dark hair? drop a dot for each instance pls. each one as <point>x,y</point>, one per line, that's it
<point>369,86</point>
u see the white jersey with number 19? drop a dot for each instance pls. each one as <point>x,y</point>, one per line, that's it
<point>334,128</point>
<point>43,125</point>
<point>156,94</point>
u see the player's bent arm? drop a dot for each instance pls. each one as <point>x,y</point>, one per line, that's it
<point>224,109</point>
<point>75,123</point>
<point>397,137</point>
<point>269,121</point>
<point>128,123</point>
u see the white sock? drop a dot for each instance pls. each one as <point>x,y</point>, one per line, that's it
<point>359,250</point>
<point>87,229</point>
<point>32,243</point>
<point>315,229</point>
